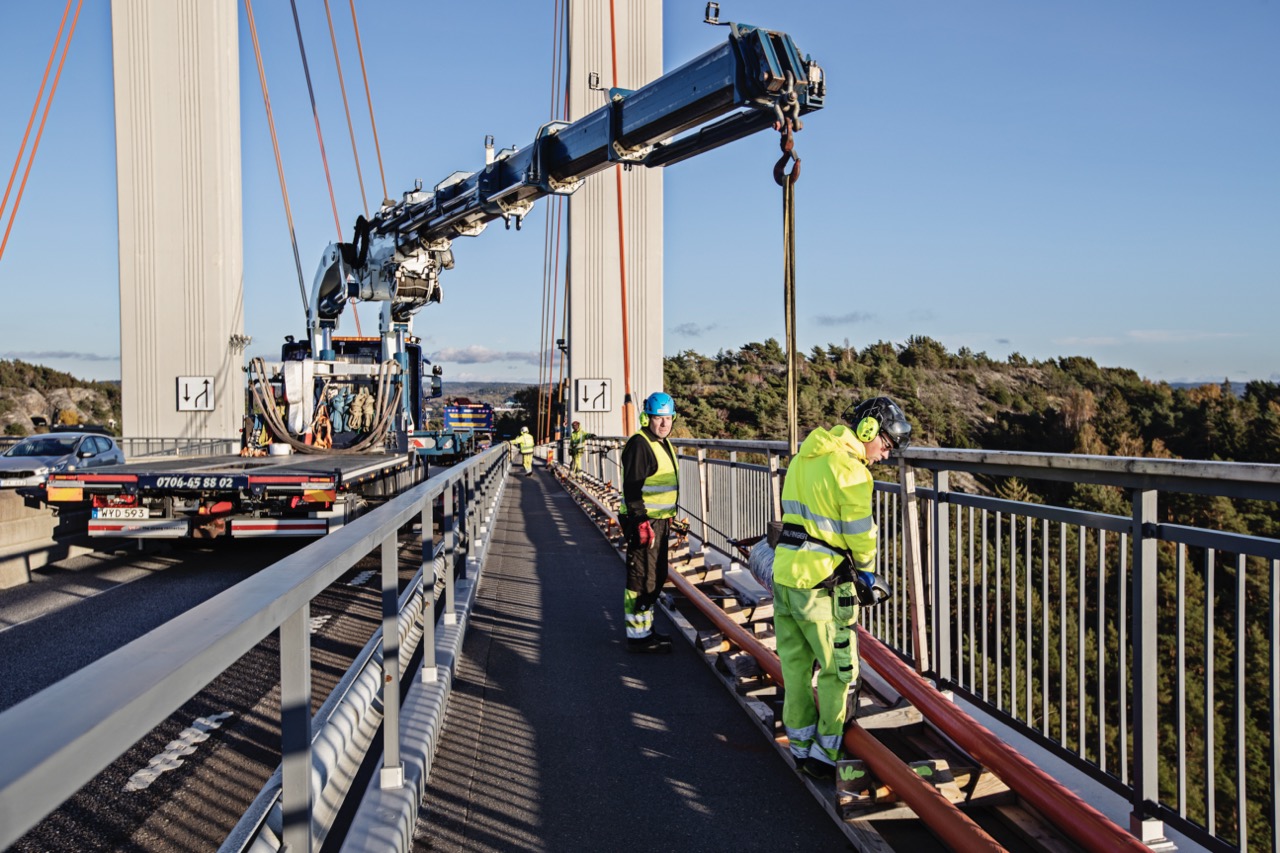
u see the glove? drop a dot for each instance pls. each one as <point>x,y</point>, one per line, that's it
<point>645,534</point>
<point>870,588</point>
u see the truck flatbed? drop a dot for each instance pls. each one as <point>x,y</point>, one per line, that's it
<point>209,497</point>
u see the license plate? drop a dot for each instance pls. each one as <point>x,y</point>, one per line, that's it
<point>12,483</point>
<point>122,512</point>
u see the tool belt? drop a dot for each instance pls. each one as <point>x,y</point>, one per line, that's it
<point>796,536</point>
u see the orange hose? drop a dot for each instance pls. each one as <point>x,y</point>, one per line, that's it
<point>1085,825</point>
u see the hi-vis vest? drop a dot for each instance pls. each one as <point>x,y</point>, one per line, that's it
<point>576,438</point>
<point>661,490</point>
<point>523,443</point>
<point>826,510</point>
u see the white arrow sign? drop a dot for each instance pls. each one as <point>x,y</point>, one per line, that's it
<point>195,393</point>
<point>593,395</point>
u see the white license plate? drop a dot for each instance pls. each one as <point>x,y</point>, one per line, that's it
<point>122,512</point>
<point>6,484</point>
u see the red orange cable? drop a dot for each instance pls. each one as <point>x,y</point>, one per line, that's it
<point>365,74</point>
<point>13,215</point>
<point>627,404</point>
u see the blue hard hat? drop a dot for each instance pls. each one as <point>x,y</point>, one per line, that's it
<point>659,404</point>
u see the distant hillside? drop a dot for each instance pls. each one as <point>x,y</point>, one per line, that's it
<point>496,394</point>
<point>34,398</point>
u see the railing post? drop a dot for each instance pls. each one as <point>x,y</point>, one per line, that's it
<point>914,571</point>
<point>469,520</point>
<point>775,487</point>
<point>1145,697</point>
<point>737,525</point>
<point>942,579</point>
<point>702,491</point>
<point>392,773</point>
<point>450,541</point>
<point>295,729</point>
<point>426,526</point>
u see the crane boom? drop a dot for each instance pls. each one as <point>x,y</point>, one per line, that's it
<point>755,79</point>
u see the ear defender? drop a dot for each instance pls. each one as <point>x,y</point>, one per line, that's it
<point>867,429</point>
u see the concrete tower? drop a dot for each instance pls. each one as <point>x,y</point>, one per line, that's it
<point>595,305</point>
<point>181,252</point>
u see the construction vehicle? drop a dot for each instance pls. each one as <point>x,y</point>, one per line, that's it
<point>302,472</point>
<point>465,427</point>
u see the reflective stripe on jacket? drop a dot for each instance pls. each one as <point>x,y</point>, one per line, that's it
<point>576,439</point>
<point>827,493</point>
<point>660,490</point>
<point>523,443</point>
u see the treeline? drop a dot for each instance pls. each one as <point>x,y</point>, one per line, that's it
<point>968,399</point>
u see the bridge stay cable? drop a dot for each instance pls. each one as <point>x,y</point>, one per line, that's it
<point>627,403</point>
<point>324,159</point>
<point>35,107</point>
<point>551,253</point>
<point>386,200</point>
<point>66,46</point>
<point>275,144</point>
<point>346,108</point>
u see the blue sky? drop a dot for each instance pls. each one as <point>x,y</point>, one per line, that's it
<point>1086,178</point>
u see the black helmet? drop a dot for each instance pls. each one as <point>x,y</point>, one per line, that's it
<point>879,416</point>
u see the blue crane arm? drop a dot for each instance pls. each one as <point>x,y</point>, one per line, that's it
<point>756,79</point>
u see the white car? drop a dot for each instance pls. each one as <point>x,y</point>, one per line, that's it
<point>31,461</point>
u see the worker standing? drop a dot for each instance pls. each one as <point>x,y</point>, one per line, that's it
<point>524,444</point>
<point>577,445</point>
<point>823,572</point>
<point>650,493</point>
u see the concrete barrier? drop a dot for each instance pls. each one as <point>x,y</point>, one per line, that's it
<point>33,536</point>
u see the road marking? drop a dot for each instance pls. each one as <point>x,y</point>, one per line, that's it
<point>171,758</point>
<point>360,579</point>
<point>317,622</point>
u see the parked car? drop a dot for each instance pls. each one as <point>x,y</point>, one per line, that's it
<point>32,460</point>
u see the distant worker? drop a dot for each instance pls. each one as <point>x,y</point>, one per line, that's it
<point>524,444</point>
<point>823,572</point>
<point>577,445</point>
<point>650,493</point>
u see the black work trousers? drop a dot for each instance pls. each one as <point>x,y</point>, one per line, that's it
<point>647,567</point>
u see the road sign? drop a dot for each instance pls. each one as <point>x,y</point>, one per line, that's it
<point>195,393</point>
<point>593,395</point>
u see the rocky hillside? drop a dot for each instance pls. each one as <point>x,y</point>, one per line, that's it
<point>35,398</point>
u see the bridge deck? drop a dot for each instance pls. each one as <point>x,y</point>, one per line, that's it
<point>557,739</point>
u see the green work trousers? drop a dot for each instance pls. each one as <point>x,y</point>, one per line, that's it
<point>816,625</point>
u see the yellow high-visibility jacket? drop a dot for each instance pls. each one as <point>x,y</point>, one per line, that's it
<point>523,443</point>
<point>826,510</point>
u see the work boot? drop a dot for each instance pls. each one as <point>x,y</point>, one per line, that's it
<point>654,644</point>
<point>819,770</point>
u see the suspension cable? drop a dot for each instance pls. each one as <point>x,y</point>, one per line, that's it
<point>550,291</point>
<point>275,144</point>
<point>351,131</point>
<point>66,46</point>
<point>627,404</point>
<point>324,159</point>
<point>35,107</point>
<point>376,147</point>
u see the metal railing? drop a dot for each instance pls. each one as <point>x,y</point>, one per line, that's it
<point>137,448</point>
<point>59,739</point>
<point>1141,647</point>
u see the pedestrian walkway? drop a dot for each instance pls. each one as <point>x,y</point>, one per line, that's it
<point>557,739</point>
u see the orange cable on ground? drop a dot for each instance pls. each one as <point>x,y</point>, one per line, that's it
<point>342,86</point>
<point>324,159</point>
<point>275,144</point>
<point>13,215</point>
<point>35,107</point>
<point>363,73</point>
<point>627,403</point>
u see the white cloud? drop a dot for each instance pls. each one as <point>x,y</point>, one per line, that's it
<point>39,357</point>
<point>476,354</point>
<point>845,319</point>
